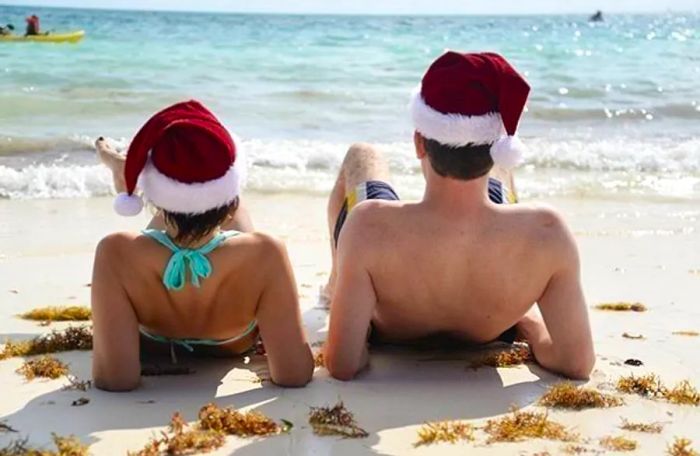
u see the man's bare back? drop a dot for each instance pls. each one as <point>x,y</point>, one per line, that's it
<point>453,264</point>
<point>472,275</point>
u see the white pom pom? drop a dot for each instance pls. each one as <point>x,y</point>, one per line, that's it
<point>507,152</point>
<point>128,205</point>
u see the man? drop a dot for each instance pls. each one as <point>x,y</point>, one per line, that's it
<point>457,263</point>
<point>7,30</point>
<point>32,25</point>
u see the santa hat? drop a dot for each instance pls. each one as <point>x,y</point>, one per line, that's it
<point>472,99</point>
<point>184,161</point>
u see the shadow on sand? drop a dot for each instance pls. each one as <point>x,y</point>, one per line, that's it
<point>401,388</point>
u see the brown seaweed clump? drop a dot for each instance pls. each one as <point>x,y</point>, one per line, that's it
<point>68,313</point>
<point>649,428</point>
<point>4,427</point>
<point>618,443</point>
<point>681,447</point>
<point>336,420</point>
<point>181,440</point>
<point>45,367</point>
<point>444,431</point>
<point>566,395</point>
<point>647,386</point>
<point>650,386</point>
<point>683,393</point>
<point>686,333</point>
<point>521,425</point>
<point>234,422</point>
<point>77,385</point>
<point>622,306</point>
<point>65,446</point>
<point>633,336</point>
<point>514,356</point>
<point>578,449</point>
<point>319,360</point>
<point>72,338</point>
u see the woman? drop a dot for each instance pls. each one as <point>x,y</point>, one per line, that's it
<point>199,279</point>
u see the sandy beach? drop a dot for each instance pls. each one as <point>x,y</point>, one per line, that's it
<point>631,251</point>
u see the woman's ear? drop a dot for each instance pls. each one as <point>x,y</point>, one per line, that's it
<point>419,142</point>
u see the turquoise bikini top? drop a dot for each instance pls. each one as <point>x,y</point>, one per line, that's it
<point>195,260</point>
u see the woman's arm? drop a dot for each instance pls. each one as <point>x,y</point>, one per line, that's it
<point>115,365</point>
<point>288,353</point>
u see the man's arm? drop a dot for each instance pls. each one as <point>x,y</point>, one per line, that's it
<point>563,342</point>
<point>353,301</point>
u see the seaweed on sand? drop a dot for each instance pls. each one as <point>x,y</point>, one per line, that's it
<point>579,449</point>
<point>181,440</point>
<point>444,431</point>
<point>44,366</point>
<point>65,446</point>
<point>647,385</point>
<point>618,443</point>
<point>633,336</point>
<point>683,393</point>
<point>566,395</point>
<point>319,360</point>
<point>686,333</point>
<point>520,425</point>
<point>72,338</point>
<point>4,427</point>
<point>77,385</point>
<point>681,447</point>
<point>622,306</point>
<point>67,313</point>
<point>513,356</point>
<point>649,428</point>
<point>234,422</point>
<point>650,386</point>
<point>336,420</point>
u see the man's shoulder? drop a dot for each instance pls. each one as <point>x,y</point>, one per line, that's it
<point>544,227</point>
<point>374,214</point>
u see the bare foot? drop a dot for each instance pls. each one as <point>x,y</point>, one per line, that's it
<point>114,161</point>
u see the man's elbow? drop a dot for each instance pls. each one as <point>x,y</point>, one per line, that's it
<point>116,385</point>
<point>293,380</point>
<point>341,370</point>
<point>579,368</point>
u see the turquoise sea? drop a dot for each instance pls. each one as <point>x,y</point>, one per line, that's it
<point>614,111</point>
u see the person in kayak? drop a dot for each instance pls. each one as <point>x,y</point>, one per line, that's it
<point>32,25</point>
<point>7,30</point>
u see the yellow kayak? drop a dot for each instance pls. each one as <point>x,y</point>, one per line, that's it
<point>72,37</point>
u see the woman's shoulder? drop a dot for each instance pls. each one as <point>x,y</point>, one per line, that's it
<point>256,242</point>
<point>123,242</point>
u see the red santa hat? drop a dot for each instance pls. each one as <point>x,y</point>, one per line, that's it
<point>184,160</point>
<point>472,99</point>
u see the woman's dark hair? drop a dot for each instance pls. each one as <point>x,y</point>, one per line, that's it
<point>192,227</point>
<point>463,163</point>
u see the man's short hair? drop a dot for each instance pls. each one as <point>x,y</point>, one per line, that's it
<point>463,163</point>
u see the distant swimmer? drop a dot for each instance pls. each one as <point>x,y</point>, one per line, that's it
<point>597,17</point>
<point>7,30</point>
<point>32,25</point>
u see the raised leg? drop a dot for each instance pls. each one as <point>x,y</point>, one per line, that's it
<point>362,163</point>
<point>114,161</point>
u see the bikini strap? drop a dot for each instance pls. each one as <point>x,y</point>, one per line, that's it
<point>162,238</point>
<point>175,274</point>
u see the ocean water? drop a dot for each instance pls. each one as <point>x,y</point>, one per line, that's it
<point>614,111</point>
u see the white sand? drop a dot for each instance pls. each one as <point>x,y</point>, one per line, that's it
<point>631,251</point>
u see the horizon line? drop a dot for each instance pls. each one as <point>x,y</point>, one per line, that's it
<point>342,13</point>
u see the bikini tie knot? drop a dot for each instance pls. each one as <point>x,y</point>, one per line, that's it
<point>175,274</point>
